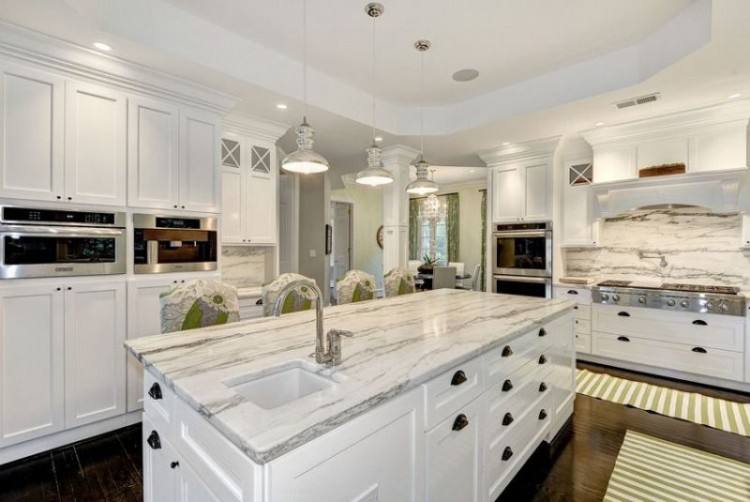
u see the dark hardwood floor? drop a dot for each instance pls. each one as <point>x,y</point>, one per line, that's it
<point>576,468</point>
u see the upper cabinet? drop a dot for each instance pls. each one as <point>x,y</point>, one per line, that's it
<point>577,227</point>
<point>199,161</point>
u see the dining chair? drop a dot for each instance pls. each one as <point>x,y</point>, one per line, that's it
<point>460,267</point>
<point>414,267</point>
<point>198,304</point>
<point>356,286</point>
<point>296,299</point>
<point>476,280</point>
<point>443,277</point>
<point>398,281</point>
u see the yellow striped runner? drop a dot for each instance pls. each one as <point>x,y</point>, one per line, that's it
<point>719,414</point>
<point>650,469</point>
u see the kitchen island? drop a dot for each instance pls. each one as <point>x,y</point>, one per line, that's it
<point>439,396</point>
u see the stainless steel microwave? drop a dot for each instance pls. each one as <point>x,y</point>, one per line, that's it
<point>522,249</point>
<point>164,244</point>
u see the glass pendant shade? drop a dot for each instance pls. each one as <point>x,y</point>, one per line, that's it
<point>305,160</point>
<point>423,185</point>
<point>375,174</point>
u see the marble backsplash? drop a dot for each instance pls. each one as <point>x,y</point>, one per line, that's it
<point>699,247</point>
<point>244,266</point>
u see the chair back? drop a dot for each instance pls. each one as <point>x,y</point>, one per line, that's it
<point>443,277</point>
<point>460,267</point>
<point>296,300</point>
<point>476,280</point>
<point>356,286</point>
<point>398,281</point>
<point>198,304</point>
<point>414,266</point>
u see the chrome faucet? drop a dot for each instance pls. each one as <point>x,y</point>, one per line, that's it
<point>328,346</point>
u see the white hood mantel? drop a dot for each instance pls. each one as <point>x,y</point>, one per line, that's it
<point>718,191</point>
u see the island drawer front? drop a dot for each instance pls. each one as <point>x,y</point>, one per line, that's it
<point>676,356</point>
<point>583,326</point>
<point>583,312</point>
<point>705,330</point>
<point>505,407</point>
<point>158,401</point>
<point>445,394</point>
<point>583,343</point>
<point>574,294</point>
<point>507,452</point>
<point>504,360</point>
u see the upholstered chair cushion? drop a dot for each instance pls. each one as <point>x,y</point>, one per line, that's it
<point>198,304</point>
<point>298,299</point>
<point>356,286</point>
<point>398,281</point>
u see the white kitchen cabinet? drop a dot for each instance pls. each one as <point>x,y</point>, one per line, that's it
<point>536,200</point>
<point>94,352</point>
<point>190,487</point>
<point>95,145</point>
<point>32,374</point>
<point>521,192</point>
<point>159,468</point>
<point>249,191</point>
<point>614,163</point>
<point>507,194</point>
<point>720,147</point>
<point>578,228</point>
<point>31,133</point>
<point>199,161</point>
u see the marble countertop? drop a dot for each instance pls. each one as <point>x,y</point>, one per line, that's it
<point>398,344</point>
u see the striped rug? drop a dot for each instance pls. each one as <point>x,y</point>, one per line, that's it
<point>650,470</point>
<point>720,414</point>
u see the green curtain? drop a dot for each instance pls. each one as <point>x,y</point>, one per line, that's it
<point>451,223</point>
<point>414,229</point>
<point>483,210</point>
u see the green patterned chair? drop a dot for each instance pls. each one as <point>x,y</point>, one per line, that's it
<point>296,300</point>
<point>356,286</point>
<point>398,281</point>
<point>198,304</point>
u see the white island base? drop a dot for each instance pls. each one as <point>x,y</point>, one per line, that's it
<point>438,441</point>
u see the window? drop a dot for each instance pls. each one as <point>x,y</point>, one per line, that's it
<point>433,232</point>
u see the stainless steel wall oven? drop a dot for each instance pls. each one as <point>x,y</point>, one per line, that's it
<point>164,244</point>
<point>522,259</point>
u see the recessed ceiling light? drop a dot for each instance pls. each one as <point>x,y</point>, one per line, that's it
<point>465,75</point>
<point>599,124</point>
<point>281,106</point>
<point>735,96</point>
<point>378,138</point>
<point>102,46</point>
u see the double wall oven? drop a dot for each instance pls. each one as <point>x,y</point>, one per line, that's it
<point>522,259</point>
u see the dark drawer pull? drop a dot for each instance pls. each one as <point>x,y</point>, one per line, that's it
<point>153,440</point>
<point>507,453</point>
<point>175,464</point>
<point>459,377</point>
<point>507,351</point>
<point>572,292</point>
<point>700,322</point>
<point>155,391</point>
<point>542,414</point>
<point>507,385</point>
<point>542,387</point>
<point>508,419</point>
<point>575,307</point>
<point>542,332</point>
<point>623,314</point>
<point>460,422</point>
<point>623,339</point>
<point>542,359</point>
<point>700,350</point>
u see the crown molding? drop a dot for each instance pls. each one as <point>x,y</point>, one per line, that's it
<point>536,149</point>
<point>400,155</point>
<point>251,126</point>
<point>22,45</point>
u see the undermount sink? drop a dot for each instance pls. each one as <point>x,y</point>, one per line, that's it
<point>283,384</point>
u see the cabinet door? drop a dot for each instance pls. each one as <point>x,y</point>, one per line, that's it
<point>190,488</point>
<point>614,163</point>
<point>31,134</point>
<point>199,161</point>
<point>153,164</point>
<point>508,194</point>
<point>453,457</point>
<point>232,206</point>
<point>261,197</point>
<point>577,228</point>
<point>95,145</point>
<point>31,363</point>
<point>536,190</point>
<point>94,352</point>
<point>159,468</point>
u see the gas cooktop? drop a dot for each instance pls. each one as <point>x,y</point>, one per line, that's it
<point>673,286</point>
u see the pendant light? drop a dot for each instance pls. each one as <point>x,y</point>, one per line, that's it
<point>423,185</point>
<point>304,160</point>
<point>374,174</point>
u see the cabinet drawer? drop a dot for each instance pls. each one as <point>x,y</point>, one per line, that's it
<point>583,311</point>
<point>705,330</point>
<point>509,400</point>
<point>578,295</point>
<point>158,401</point>
<point>455,388</point>
<point>501,362</point>
<point>583,343</point>
<point>583,326</point>
<point>681,357</point>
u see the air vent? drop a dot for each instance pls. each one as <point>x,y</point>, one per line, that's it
<point>640,100</point>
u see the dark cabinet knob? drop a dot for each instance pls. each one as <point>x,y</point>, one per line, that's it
<point>155,391</point>
<point>507,385</point>
<point>70,198</point>
<point>623,314</point>
<point>542,332</point>
<point>507,453</point>
<point>459,377</point>
<point>700,322</point>
<point>700,350</point>
<point>174,465</point>
<point>507,351</point>
<point>508,419</point>
<point>542,359</point>
<point>623,339</point>
<point>460,422</point>
<point>542,414</point>
<point>59,197</point>
<point>572,292</point>
<point>542,387</point>
<point>153,440</point>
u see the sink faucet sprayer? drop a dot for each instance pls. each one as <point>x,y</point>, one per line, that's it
<point>328,346</point>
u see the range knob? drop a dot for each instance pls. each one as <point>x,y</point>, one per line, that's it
<point>605,296</point>
<point>724,307</point>
<point>671,302</point>
<point>684,304</point>
<point>642,299</point>
<point>615,298</point>
<point>709,305</point>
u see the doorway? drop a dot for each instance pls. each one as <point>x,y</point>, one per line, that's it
<point>341,251</point>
